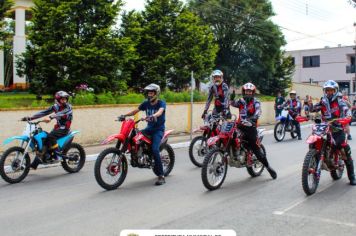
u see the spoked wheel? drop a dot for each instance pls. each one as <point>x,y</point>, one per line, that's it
<point>198,148</point>
<point>167,159</point>
<point>14,165</point>
<point>214,169</point>
<point>337,174</point>
<point>310,177</point>
<point>293,132</point>
<point>257,167</point>
<point>110,168</point>
<point>279,131</point>
<point>75,158</point>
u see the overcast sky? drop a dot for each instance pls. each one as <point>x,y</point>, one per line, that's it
<point>306,23</point>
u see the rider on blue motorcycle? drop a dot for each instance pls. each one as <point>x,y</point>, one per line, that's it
<point>220,92</point>
<point>63,114</point>
<point>295,108</point>
<point>332,107</point>
<point>156,116</point>
<point>250,110</point>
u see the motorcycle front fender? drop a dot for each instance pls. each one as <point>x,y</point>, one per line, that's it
<point>22,138</point>
<point>113,137</point>
<point>213,140</point>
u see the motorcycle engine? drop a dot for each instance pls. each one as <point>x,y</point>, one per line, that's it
<point>238,157</point>
<point>143,159</point>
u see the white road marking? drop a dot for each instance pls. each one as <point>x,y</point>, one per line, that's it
<point>325,220</point>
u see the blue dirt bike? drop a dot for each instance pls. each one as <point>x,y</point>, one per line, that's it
<point>15,161</point>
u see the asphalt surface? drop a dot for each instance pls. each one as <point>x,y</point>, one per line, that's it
<point>51,202</point>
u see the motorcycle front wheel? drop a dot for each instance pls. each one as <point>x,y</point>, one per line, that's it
<point>198,148</point>
<point>214,169</point>
<point>11,169</point>
<point>279,131</point>
<point>110,168</point>
<point>310,178</point>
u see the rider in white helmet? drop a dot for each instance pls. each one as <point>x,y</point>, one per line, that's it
<point>219,91</point>
<point>156,116</point>
<point>333,107</point>
<point>250,110</point>
<point>295,107</point>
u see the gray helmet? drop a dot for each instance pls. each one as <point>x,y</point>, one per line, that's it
<point>152,87</point>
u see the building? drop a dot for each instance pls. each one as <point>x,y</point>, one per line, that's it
<point>315,66</point>
<point>20,12</point>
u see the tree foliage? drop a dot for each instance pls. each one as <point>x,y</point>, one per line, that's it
<point>250,43</point>
<point>171,42</point>
<point>5,6</point>
<point>72,42</point>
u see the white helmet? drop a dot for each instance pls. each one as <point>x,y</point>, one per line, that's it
<point>333,85</point>
<point>217,73</point>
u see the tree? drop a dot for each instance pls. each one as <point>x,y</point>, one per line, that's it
<point>171,42</point>
<point>5,6</point>
<point>72,42</point>
<point>250,43</point>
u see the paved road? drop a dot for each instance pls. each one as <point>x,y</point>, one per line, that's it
<point>52,202</point>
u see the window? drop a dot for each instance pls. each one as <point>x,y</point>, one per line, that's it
<point>311,61</point>
<point>293,61</point>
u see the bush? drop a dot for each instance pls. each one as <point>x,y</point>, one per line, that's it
<point>132,98</point>
<point>84,98</point>
<point>106,98</point>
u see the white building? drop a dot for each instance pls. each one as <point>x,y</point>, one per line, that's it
<point>20,14</point>
<point>319,65</point>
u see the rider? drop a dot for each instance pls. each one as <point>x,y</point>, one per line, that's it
<point>250,110</point>
<point>295,108</point>
<point>277,104</point>
<point>156,116</point>
<point>63,114</point>
<point>332,107</point>
<point>220,92</point>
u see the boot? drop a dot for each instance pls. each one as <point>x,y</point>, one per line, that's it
<point>350,171</point>
<point>35,163</point>
<point>272,172</point>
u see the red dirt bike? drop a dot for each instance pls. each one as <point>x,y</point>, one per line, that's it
<point>198,147</point>
<point>229,149</point>
<point>322,155</point>
<point>111,165</point>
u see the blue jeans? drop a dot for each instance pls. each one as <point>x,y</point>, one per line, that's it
<point>156,141</point>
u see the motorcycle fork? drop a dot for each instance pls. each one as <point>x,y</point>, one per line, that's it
<point>321,160</point>
<point>25,151</point>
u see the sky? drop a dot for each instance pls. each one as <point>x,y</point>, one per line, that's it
<point>306,24</point>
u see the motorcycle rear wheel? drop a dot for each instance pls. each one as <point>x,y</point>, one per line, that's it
<point>310,180</point>
<point>167,158</point>
<point>214,169</point>
<point>257,167</point>
<point>75,158</point>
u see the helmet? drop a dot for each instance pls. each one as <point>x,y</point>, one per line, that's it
<point>248,86</point>
<point>293,92</point>
<point>217,73</point>
<point>152,87</point>
<point>59,95</point>
<point>333,85</point>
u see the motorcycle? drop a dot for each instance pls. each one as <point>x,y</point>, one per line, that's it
<point>353,111</point>
<point>15,161</point>
<point>322,155</point>
<point>285,124</point>
<point>198,147</point>
<point>229,148</point>
<point>111,165</point>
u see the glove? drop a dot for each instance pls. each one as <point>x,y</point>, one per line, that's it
<point>203,115</point>
<point>26,118</point>
<point>122,118</point>
<point>151,118</point>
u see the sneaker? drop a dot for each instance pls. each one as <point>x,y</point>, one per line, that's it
<point>160,180</point>
<point>349,137</point>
